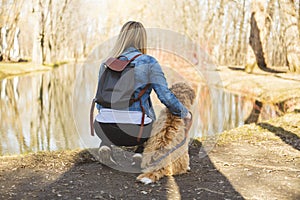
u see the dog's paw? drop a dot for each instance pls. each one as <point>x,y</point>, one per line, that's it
<point>143,178</point>
<point>146,180</point>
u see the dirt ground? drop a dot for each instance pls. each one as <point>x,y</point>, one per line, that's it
<point>256,161</point>
<point>262,161</point>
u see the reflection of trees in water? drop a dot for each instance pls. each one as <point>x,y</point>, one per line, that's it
<point>219,110</point>
<point>62,108</point>
<point>36,112</point>
<point>12,104</point>
<point>204,105</point>
<point>63,129</point>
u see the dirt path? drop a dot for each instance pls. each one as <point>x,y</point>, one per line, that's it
<point>262,161</point>
<point>251,162</point>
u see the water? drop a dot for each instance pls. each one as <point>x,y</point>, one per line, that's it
<point>36,112</point>
<point>50,111</point>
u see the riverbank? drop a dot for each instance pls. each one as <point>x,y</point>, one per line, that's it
<point>281,89</point>
<point>255,161</point>
<point>8,70</point>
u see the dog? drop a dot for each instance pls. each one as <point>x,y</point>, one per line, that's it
<point>166,151</point>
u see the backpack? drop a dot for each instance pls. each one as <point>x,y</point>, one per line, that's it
<point>116,87</point>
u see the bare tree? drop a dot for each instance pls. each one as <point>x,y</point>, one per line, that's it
<point>9,15</point>
<point>290,34</point>
<point>257,36</point>
<point>240,49</point>
<point>64,30</point>
<point>53,29</point>
<point>299,17</point>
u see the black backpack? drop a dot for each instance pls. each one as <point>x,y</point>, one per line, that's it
<point>116,87</point>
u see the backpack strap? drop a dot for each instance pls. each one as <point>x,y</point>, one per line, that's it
<point>92,116</point>
<point>134,57</point>
<point>119,65</point>
<point>142,92</point>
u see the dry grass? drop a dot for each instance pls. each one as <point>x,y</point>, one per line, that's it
<point>285,128</point>
<point>53,160</point>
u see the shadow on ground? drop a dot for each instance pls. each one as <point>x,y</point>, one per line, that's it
<point>92,180</point>
<point>288,137</point>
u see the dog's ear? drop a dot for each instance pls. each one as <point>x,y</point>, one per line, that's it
<point>184,93</point>
<point>190,95</point>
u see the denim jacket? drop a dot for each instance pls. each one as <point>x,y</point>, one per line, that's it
<point>148,70</point>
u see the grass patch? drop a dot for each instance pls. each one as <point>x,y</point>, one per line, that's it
<point>56,64</point>
<point>8,70</point>
<point>46,159</point>
<point>248,133</point>
<point>287,127</point>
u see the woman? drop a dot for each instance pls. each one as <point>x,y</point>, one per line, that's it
<point>121,127</point>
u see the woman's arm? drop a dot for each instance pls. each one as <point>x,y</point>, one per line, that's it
<point>160,86</point>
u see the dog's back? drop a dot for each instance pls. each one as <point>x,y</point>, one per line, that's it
<point>167,137</point>
<point>166,152</point>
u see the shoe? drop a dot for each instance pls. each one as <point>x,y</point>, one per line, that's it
<point>105,156</point>
<point>137,160</point>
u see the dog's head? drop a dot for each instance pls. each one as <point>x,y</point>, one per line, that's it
<point>184,93</point>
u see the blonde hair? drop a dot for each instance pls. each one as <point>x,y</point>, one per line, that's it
<point>132,34</point>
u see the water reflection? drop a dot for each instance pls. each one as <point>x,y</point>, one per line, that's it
<point>50,111</point>
<point>36,112</point>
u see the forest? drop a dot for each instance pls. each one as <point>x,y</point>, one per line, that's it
<point>232,32</point>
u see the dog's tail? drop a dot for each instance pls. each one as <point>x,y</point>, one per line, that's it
<point>163,157</point>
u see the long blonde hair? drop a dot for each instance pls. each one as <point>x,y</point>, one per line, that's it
<point>132,34</point>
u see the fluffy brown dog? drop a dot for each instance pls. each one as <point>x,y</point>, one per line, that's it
<point>166,152</point>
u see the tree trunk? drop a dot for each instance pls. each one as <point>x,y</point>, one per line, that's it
<point>271,40</point>
<point>3,42</point>
<point>257,35</point>
<point>299,17</point>
<point>258,39</point>
<point>36,49</point>
<point>239,53</point>
<point>290,34</point>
